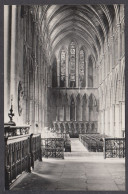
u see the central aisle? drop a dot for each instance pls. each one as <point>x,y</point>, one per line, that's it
<point>80,170</point>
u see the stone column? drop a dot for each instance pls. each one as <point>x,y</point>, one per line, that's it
<point>75,111</point>
<point>58,73</point>
<point>31,116</point>
<point>113,119</point>
<point>117,120</point>
<point>119,39</point>
<point>112,46</point>
<point>77,69</point>
<point>13,58</point>
<point>123,117</point>
<point>102,130</point>
<point>6,63</point>
<point>111,122</point>
<point>108,118</point>
<point>67,70</point>
<point>86,74</point>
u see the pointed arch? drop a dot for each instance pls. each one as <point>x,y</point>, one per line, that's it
<point>78,108</point>
<point>85,108</point>
<point>72,109</point>
<point>92,108</point>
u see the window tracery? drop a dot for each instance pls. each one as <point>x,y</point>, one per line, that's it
<point>82,69</point>
<point>63,68</point>
<point>72,65</point>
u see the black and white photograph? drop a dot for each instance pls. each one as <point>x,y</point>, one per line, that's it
<point>64,97</point>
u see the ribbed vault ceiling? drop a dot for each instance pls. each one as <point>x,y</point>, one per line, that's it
<point>89,23</point>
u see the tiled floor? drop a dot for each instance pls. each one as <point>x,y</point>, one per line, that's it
<point>80,170</point>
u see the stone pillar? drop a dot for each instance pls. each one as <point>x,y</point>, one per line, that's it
<point>102,121</point>
<point>86,74</point>
<point>106,127</point>
<point>67,69</point>
<point>111,122</point>
<point>6,63</point>
<point>31,116</point>
<point>77,69</point>
<point>117,134</point>
<point>108,120</point>
<point>112,46</point>
<point>119,40</point>
<point>13,57</point>
<point>58,73</point>
<point>123,117</point>
<point>75,111</point>
<point>113,119</point>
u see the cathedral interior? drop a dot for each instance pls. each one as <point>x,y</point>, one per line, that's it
<point>64,74</point>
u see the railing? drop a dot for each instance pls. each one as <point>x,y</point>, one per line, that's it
<point>114,147</point>
<point>10,131</point>
<point>52,147</point>
<point>20,154</point>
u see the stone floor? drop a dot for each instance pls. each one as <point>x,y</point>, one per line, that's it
<point>80,171</point>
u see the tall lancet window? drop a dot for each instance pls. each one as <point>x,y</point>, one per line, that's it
<point>82,69</point>
<point>62,68</point>
<point>90,73</point>
<point>72,65</point>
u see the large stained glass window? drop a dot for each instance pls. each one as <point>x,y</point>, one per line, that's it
<point>72,65</point>
<point>62,68</point>
<point>82,69</point>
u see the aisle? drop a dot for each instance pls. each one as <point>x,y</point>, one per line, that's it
<point>80,170</point>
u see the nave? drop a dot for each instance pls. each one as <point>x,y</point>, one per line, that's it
<point>64,78</point>
<point>80,170</point>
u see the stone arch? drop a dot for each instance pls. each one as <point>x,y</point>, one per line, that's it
<point>78,108</point>
<point>61,128</point>
<point>72,108</point>
<point>60,108</point>
<point>56,127</point>
<point>85,110</point>
<point>92,108</point>
<point>67,127</point>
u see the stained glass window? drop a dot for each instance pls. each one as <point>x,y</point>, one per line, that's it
<point>90,73</point>
<point>63,68</point>
<point>82,69</point>
<point>72,65</point>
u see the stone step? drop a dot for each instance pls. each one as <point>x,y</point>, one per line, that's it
<point>83,154</point>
